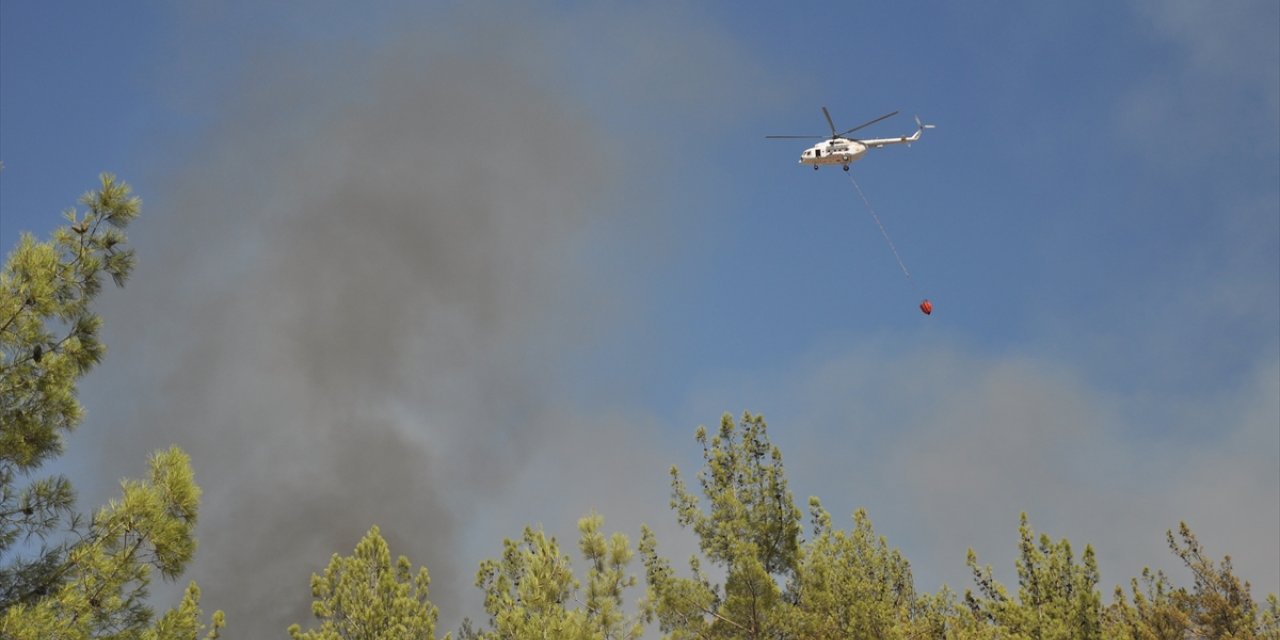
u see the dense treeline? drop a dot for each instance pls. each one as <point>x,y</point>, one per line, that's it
<point>783,575</point>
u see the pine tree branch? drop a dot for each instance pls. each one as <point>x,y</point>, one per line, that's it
<point>16,314</point>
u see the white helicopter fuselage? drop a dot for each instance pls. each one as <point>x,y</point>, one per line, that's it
<point>839,151</point>
<point>844,151</point>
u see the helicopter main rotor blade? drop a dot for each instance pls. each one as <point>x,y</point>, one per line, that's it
<point>867,124</point>
<point>832,124</point>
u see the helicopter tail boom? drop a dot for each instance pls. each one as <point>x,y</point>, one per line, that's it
<point>880,142</point>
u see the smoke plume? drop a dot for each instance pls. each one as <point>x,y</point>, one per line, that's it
<point>359,295</point>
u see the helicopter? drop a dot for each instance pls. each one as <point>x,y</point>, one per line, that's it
<point>842,150</point>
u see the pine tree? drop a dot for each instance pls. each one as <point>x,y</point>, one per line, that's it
<point>98,584</point>
<point>1057,597</point>
<point>751,529</point>
<point>366,597</point>
<point>850,584</point>
<point>531,592</point>
<point>607,581</point>
<point>1218,605</point>
<point>1156,612</point>
<point>84,579</point>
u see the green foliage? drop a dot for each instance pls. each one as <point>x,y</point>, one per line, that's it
<point>1155,613</point>
<point>1269,625</point>
<point>98,586</point>
<point>847,584</point>
<point>684,607</point>
<point>1057,598</point>
<point>1217,606</point>
<point>48,333</point>
<point>529,591</point>
<point>366,597</point>
<point>607,580</point>
<point>184,621</point>
<point>839,584</point>
<point>851,584</point>
<point>944,617</point>
<point>751,529</point>
<point>84,580</point>
<point>525,592</point>
<point>751,514</point>
<point>48,340</point>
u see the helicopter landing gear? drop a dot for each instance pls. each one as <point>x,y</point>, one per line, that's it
<point>815,167</point>
<point>846,167</point>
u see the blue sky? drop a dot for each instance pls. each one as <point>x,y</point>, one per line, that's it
<point>552,240</point>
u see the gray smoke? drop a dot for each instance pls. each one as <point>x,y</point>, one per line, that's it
<point>357,296</point>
